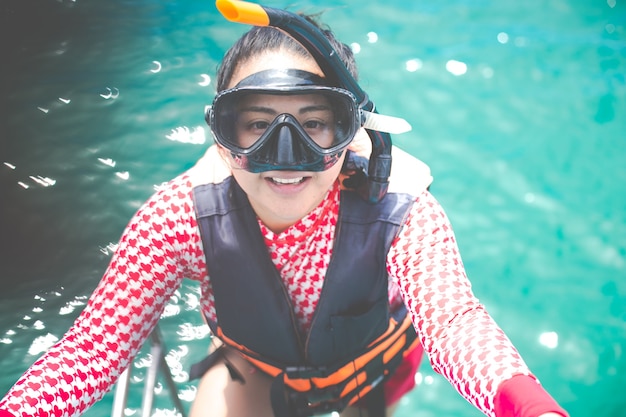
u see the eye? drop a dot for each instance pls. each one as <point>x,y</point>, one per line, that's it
<point>314,125</point>
<point>258,125</point>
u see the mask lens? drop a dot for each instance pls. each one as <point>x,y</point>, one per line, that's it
<point>240,117</point>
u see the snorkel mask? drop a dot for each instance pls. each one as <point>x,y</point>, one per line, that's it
<point>284,120</point>
<point>313,40</point>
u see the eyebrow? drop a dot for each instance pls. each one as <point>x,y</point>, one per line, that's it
<point>269,110</point>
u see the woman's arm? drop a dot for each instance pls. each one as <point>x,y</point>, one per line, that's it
<point>145,270</point>
<point>463,342</point>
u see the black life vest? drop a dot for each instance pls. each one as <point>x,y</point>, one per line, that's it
<point>354,341</point>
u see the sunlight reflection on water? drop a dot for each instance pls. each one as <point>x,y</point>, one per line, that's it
<point>516,108</point>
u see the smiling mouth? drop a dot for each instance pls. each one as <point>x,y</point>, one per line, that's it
<point>286,181</point>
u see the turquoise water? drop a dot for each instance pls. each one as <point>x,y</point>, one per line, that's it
<point>519,108</point>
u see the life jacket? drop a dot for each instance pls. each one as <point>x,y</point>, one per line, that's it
<point>354,341</point>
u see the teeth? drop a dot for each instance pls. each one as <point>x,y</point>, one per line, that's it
<point>288,180</point>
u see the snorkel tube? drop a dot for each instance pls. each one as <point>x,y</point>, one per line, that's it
<point>312,39</point>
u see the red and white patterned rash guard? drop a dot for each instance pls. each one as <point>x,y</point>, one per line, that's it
<point>161,246</point>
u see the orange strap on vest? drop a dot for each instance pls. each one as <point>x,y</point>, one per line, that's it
<point>313,390</point>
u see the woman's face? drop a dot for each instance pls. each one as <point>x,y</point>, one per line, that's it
<point>281,198</point>
<point>314,113</point>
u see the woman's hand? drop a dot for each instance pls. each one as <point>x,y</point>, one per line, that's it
<point>361,144</point>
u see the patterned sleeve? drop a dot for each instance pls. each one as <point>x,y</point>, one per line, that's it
<point>159,247</point>
<point>463,342</point>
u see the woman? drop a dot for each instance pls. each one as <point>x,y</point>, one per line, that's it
<point>303,282</point>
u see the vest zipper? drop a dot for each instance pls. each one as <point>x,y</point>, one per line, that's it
<point>320,300</point>
<point>294,321</point>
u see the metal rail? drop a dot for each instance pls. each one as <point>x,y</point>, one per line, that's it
<point>158,363</point>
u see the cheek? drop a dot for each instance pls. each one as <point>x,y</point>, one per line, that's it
<point>230,160</point>
<point>244,178</point>
<point>330,175</point>
<point>224,154</point>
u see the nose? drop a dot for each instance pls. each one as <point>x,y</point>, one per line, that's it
<point>288,149</point>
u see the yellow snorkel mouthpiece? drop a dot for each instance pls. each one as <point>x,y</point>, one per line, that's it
<point>243,12</point>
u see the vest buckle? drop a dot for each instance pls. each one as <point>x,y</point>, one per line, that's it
<point>306,372</point>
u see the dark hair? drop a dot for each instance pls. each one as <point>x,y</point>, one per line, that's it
<point>261,39</point>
